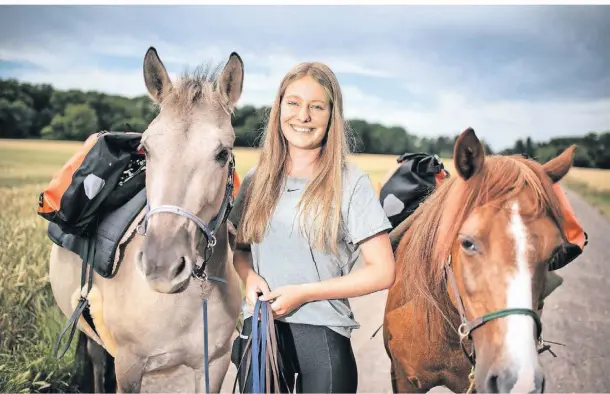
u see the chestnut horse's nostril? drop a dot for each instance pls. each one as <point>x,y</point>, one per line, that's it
<point>492,383</point>
<point>504,380</point>
<point>178,268</point>
<point>500,381</point>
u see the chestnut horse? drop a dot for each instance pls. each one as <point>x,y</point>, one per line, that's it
<point>471,272</point>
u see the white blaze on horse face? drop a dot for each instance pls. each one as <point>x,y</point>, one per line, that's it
<point>520,347</point>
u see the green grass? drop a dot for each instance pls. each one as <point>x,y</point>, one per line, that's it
<point>29,319</point>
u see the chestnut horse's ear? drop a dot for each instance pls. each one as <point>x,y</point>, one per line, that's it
<point>558,167</point>
<point>468,154</point>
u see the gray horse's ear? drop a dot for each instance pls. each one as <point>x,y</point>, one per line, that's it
<point>558,167</point>
<point>468,154</point>
<point>231,80</point>
<point>155,75</point>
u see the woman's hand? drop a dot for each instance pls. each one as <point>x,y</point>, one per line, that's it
<point>255,285</point>
<point>286,299</point>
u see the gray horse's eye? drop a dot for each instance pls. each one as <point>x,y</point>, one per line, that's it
<point>222,157</point>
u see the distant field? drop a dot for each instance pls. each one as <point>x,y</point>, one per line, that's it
<point>27,162</point>
<point>594,177</point>
<point>29,320</point>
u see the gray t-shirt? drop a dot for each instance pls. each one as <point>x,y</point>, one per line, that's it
<point>285,257</point>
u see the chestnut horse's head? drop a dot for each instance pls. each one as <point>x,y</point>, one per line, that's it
<point>490,233</point>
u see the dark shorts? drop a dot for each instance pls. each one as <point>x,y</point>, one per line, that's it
<point>322,359</point>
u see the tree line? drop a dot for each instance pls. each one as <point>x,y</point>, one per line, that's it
<point>40,111</point>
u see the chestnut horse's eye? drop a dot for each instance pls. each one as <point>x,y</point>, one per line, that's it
<point>468,245</point>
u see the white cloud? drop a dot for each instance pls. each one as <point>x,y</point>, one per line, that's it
<point>500,123</point>
<point>453,95</point>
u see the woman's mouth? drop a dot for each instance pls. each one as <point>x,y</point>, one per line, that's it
<point>302,129</point>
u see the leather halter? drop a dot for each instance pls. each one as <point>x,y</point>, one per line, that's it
<point>467,327</point>
<point>209,230</point>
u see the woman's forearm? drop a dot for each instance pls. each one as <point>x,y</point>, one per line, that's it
<point>242,261</point>
<point>378,273</point>
<point>366,280</point>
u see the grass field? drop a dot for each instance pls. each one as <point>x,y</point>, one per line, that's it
<point>29,320</point>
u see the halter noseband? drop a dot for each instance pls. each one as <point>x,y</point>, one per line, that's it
<point>467,327</point>
<point>209,231</point>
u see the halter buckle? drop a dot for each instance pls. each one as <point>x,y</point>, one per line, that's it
<point>463,331</point>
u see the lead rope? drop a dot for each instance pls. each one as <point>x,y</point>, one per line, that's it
<point>263,357</point>
<point>204,306</point>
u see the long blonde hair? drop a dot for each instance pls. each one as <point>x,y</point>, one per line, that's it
<point>320,204</point>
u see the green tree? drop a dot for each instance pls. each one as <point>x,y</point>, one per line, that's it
<point>530,148</point>
<point>78,122</point>
<point>16,119</point>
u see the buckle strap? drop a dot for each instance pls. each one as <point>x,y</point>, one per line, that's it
<point>466,328</point>
<point>83,302</point>
<point>178,211</point>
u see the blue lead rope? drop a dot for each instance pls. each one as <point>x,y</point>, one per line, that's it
<point>259,346</point>
<point>262,362</point>
<point>205,345</point>
<point>205,336</point>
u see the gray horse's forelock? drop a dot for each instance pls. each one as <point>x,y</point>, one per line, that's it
<point>195,87</point>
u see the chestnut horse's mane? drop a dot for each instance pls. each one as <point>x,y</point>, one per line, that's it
<point>435,224</point>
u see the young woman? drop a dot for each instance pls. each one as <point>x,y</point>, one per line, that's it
<point>303,217</point>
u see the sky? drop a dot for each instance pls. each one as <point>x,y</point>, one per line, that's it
<point>509,72</point>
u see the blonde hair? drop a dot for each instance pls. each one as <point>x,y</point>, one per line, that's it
<point>321,201</point>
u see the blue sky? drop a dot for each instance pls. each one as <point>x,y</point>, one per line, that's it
<point>507,71</point>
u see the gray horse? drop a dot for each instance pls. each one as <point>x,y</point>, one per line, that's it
<point>149,316</point>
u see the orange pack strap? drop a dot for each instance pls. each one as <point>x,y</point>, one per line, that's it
<point>440,177</point>
<point>236,184</point>
<point>574,232</point>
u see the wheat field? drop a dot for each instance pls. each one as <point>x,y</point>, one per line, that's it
<point>29,320</point>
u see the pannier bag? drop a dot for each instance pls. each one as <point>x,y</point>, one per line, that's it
<point>105,173</point>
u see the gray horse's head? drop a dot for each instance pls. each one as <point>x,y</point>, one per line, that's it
<point>188,149</point>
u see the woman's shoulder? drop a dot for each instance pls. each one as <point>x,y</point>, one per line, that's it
<point>353,174</point>
<point>249,175</point>
<point>250,172</point>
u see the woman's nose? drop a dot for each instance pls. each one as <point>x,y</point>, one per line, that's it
<point>304,114</point>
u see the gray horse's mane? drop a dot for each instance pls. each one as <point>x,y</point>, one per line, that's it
<point>195,87</point>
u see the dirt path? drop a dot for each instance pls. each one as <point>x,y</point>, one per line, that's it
<point>577,315</point>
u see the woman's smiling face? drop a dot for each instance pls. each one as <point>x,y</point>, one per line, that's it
<point>304,114</point>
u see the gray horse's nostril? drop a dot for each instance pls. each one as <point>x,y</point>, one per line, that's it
<point>179,268</point>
